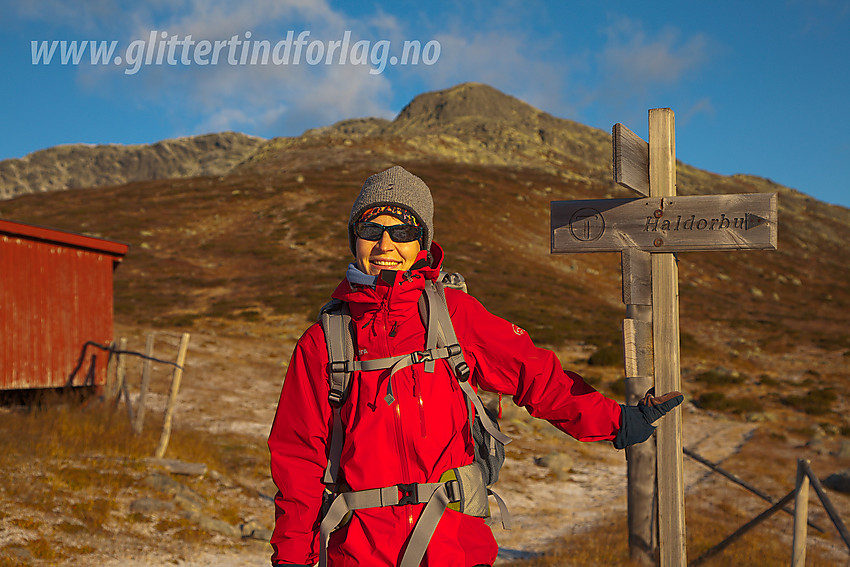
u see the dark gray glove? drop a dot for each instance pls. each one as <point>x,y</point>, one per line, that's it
<point>636,421</point>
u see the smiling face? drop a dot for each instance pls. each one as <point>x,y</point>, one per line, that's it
<point>385,254</point>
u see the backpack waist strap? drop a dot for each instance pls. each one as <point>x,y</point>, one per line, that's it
<point>461,488</point>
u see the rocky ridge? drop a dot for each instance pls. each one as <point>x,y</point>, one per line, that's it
<point>80,165</point>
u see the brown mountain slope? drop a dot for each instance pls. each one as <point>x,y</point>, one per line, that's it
<point>78,165</point>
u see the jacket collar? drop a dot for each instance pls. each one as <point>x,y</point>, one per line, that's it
<point>390,282</point>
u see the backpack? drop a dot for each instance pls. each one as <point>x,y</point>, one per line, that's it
<point>464,489</point>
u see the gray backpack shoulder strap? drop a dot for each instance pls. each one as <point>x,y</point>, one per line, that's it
<point>336,323</point>
<point>439,319</point>
<point>444,334</point>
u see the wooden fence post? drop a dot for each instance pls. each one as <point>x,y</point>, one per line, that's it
<point>120,372</point>
<point>801,515</point>
<point>827,503</point>
<point>726,474</point>
<point>172,396</point>
<point>106,392</point>
<point>127,402</point>
<point>139,422</point>
<point>665,332</point>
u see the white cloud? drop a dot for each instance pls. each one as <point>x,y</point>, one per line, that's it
<point>218,19</point>
<point>86,17</point>
<point>295,99</point>
<point>224,119</point>
<point>343,92</point>
<point>285,99</point>
<point>699,107</point>
<point>638,61</point>
<point>508,62</point>
<point>263,99</point>
<point>634,70</point>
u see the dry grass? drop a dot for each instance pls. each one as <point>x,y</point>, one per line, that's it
<point>708,523</point>
<point>70,470</point>
<point>603,545</point>
<point>607,544</point>
<point>55,426</point>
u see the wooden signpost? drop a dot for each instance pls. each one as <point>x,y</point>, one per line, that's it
<point>648,232</point>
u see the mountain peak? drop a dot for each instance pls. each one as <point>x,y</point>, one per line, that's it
<point>463,102</point>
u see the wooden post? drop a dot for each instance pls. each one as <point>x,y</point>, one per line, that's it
<point>139,423</point>
<point>665,332</point>
<point>106,392</point>
<point>120,371</point>
<point>640,459</point>
<point>172,396</point>
<point>127,402</point>
<point>801,515</point>
<point>827,504</point>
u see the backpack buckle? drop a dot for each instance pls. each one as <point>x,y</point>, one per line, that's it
<point>408,494</point>
<point>453,491</point>
<point>336,397</point>
<point>338,366</point>
<point>421,356</point>
<point>462,371</point>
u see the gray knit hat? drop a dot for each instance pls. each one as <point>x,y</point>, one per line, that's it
<point>395,187</point>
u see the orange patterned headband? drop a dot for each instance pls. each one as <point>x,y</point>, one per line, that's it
<point>400,213</point>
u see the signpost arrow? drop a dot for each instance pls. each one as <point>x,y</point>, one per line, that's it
<point>754,220</point>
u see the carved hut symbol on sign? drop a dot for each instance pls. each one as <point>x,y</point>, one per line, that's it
<point>587,224</point>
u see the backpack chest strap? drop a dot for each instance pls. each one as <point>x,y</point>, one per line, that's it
<point>340,371</point>
<point>394,363</point>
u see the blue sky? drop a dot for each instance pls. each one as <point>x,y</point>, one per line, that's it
<point>758,87</point>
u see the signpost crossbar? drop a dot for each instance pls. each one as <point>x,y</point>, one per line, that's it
<point>666,224</point>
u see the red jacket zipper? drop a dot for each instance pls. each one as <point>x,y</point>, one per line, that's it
<point>400,437</point>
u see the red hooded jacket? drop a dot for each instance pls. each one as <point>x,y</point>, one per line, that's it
<point>422,434</point>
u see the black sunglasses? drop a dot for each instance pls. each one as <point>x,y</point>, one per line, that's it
<point>398,232</point>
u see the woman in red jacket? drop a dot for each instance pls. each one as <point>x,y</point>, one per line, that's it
<point>403,430</point>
